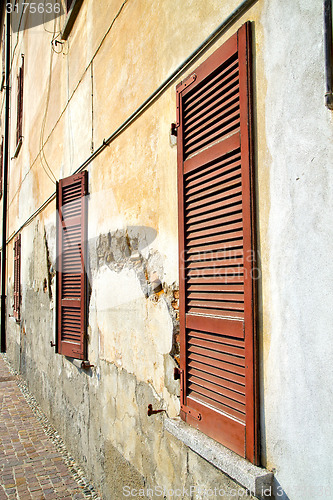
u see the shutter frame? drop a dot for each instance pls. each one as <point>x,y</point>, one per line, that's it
<point>239,435</point>
<point>17,278</point>
<point>71,268</point>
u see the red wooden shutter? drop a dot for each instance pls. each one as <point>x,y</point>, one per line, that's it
<point>71,279</point>
<point>216,243</point>
<point>19,103</point>
<point>17,277</point>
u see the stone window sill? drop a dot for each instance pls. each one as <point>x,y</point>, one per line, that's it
<point>255,479</point>
<point>70,19</point>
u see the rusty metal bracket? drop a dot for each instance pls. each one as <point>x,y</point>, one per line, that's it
<point>187,82</point>
<point>192,413</point>
<point>85,365</point>
<point>153,412</point>
<point>173,130</point>
<point>52,344</point>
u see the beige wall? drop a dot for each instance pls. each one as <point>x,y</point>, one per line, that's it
<point>75,99</point>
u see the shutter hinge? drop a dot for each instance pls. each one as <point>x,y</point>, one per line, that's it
<point>192,413</point>
<point>173,130</point>
<point>183,85</point>
<point>186,83</point>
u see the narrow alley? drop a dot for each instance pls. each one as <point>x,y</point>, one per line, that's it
<point>33,460</point>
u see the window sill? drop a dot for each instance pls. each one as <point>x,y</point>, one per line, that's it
<point>255,479</point>
<point>70,19</point>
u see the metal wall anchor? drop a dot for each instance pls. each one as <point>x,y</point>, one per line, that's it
<point>85,365</point>
<point>153,412</point>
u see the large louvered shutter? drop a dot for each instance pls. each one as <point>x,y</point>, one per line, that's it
<point>216,247</point>
<point>71,275</point>
<point>17,277</point>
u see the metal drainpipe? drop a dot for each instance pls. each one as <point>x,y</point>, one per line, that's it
<point>328,53</point>
<point>4,191</point>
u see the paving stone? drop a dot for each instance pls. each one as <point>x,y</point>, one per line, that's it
<point>34,463</point>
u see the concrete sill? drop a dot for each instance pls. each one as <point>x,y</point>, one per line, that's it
<point>255,479</point>
<point>70,19</point>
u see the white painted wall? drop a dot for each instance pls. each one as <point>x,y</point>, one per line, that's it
<point>298,395</point>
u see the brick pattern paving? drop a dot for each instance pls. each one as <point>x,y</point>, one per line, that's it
<point>30,464</point>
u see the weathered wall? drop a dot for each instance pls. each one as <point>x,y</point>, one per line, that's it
<point>72,101</point>
<point>298,349</point>
<point>75,99</point>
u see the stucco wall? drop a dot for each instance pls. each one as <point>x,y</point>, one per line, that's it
<point>297,396</point>
<point>72,101</point>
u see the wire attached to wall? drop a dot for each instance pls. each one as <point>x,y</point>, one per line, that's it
<point>41,141</point>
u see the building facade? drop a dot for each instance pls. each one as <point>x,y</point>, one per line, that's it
<point>166,189</point>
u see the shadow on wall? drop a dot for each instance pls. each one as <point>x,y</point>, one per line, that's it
<point>278,492</point>
<point>119,249</point>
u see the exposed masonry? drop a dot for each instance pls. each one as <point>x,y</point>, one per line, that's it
<point>50,269</point>
<point>124,249</point>
<point>79,475</point>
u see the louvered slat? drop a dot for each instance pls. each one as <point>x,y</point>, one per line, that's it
<point>219,228</point>
<point>207,382</point>
<point>212,111</point>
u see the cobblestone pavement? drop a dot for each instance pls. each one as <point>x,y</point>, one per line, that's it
<point>33,460</point>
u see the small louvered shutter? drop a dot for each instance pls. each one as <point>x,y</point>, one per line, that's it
<point>71,278</point>
<point>17,277</point>
<point>216,248</point>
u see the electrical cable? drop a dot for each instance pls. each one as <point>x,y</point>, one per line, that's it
<point>41,141</point>
<point>11,61</point>
<point>235,14</point>
<point>68,101</point>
